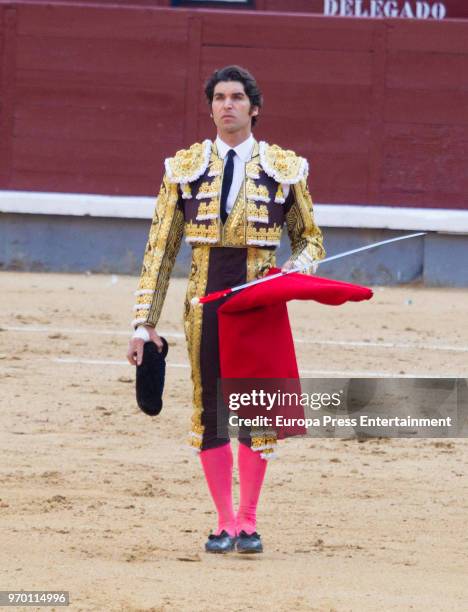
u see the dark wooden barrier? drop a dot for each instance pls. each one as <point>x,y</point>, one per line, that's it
<point>94,97</point>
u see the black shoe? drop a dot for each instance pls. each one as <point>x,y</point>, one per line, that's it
<point>222,543</point>
<point>248,544</point>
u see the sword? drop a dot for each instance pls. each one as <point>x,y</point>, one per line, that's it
<point>216,295</point>
<point>371,246</point>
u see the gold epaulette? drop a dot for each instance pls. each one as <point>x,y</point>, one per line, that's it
<point>188,164</point>
<point>282,164</point>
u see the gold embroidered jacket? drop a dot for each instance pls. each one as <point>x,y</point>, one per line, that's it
<point>189,202</point>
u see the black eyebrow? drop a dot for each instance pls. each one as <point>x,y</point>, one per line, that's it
<point>236,93</point>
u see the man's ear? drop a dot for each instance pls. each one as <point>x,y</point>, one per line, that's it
<point>254,111</point>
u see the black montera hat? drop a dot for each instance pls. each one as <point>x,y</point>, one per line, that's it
<point>150,377</point>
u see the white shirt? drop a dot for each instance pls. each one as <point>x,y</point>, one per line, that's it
<point>242,156</point>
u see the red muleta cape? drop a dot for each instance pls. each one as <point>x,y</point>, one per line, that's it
<point>255,339</point>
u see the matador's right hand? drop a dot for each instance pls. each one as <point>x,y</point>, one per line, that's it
<point>136,344</point>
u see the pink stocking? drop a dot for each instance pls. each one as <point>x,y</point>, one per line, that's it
<point>217,465</point>
<point>251,474</point>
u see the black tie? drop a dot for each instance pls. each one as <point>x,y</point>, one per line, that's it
<point>227,182</point>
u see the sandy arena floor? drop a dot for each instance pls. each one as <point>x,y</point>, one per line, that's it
<point>101,500</point>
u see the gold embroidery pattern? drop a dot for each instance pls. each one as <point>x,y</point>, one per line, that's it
<point>279,197</point>
<point>259,261</point>
<point>143,303</point>
<point>259,214</point>
<point>282,164</point>
<point>216,167</point>
<point>188,164</point>
<point>199,232</point>
<point>263,236</point>
<point>208,210</point>
<point>252,170</point>
<point>193,318</point>
<point>209,189</point>
<point>264,441</point>
<point>304,234</point>
<point>186,191</point>
<point>268,453</point>
<point>234,231</point>
<point>257,193</point>
<point>163,244</point>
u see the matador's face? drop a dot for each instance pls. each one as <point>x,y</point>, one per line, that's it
<point>231,108</point>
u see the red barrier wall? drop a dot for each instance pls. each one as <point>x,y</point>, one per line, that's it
<point>93,98</point>
<point>451,9</point>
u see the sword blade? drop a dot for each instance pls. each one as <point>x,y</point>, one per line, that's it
<point>370,246</point>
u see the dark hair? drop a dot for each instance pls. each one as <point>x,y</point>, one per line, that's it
<point>235,73</point>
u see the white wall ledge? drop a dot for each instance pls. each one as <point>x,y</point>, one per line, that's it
<point>326,215</point>
<point>76,204</point>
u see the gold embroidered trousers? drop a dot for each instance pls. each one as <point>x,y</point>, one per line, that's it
<point>213,269</point>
